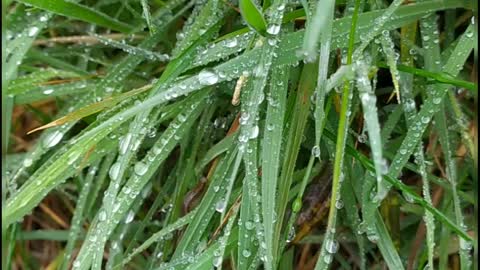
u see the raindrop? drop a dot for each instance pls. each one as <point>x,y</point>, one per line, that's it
<point>207,77</point>
<point>425,119</point>
<point>254,132</point>
<point>102,216</point>
<point>124,143</point>
<point>130,217</point>
<point>372,237</point>
<point>328,258</point>
<point>140,168</point>
<point>52,139</point>
<point>316,151</point>
<point>232,43</point>
<point>33,31</point>
<point>217,261</point>
<point>73,157</point>
<point>244,118</point>
<point>114,171</point>
<point>437,101</point>
<point>408,197</point>
<point>273,29</point>
<point>331,246</point>
<point>291,234</point>
<point>220,206</point>
<point>249,225</point>
<point>272,41</point>
<point>27,162</point>
<point>246,253</point>
<point>47,91</point>
<point>339,204</point>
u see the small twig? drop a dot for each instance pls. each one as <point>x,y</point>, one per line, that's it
<point>54,216</point>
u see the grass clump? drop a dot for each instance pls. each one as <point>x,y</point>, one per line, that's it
<point>239,134</point>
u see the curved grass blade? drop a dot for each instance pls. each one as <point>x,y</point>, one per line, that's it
<point>439,77</point>
<point>81,12</point>
<point>327,250</point>
<point>368,100</point>
<point>319,28</point>
<point>25,83</point>
<point>93,108</point>
<point>253,16</point>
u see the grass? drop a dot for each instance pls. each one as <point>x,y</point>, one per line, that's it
<point>200,134</point>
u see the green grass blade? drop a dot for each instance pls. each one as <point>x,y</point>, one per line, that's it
<point>80,12</point>
<point>272,144</point>
<point>253,16</point>
<point>329,243</point>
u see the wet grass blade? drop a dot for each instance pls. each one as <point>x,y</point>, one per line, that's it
<point>81,12</point>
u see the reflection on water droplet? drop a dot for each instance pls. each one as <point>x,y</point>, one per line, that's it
<point>273,29</point>
<point>207,77</point>
<point>52,139</point>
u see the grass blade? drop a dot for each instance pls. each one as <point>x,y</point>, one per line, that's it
<point>81,12</point>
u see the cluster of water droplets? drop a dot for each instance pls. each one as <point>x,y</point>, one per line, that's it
<point>223,49</point>
<point>368,100</point>
<point>137,51</point>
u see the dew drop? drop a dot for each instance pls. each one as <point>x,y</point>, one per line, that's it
<point>328,258</point>
<point>217,261</point>
<point>425,119</point>
<point>33,31</point>
<point>273,29</point>
<point>27,162</point>
<point>331,246</point>
<point>246,253</point>
<point>52,139</point>
<point>114,171</point>
<point>254,132</point>
<point>102,216</point>
<point>339,204</point>
<point>316,151</point>
<point>244,118</point>
<point>220,206</point>
<point>130,217</point>
<point>232,43</point>
<point>140,168</point>
<point>249,225</point>
<point>207,77</point>
<point>124,143</point>
<point>47,91</point>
